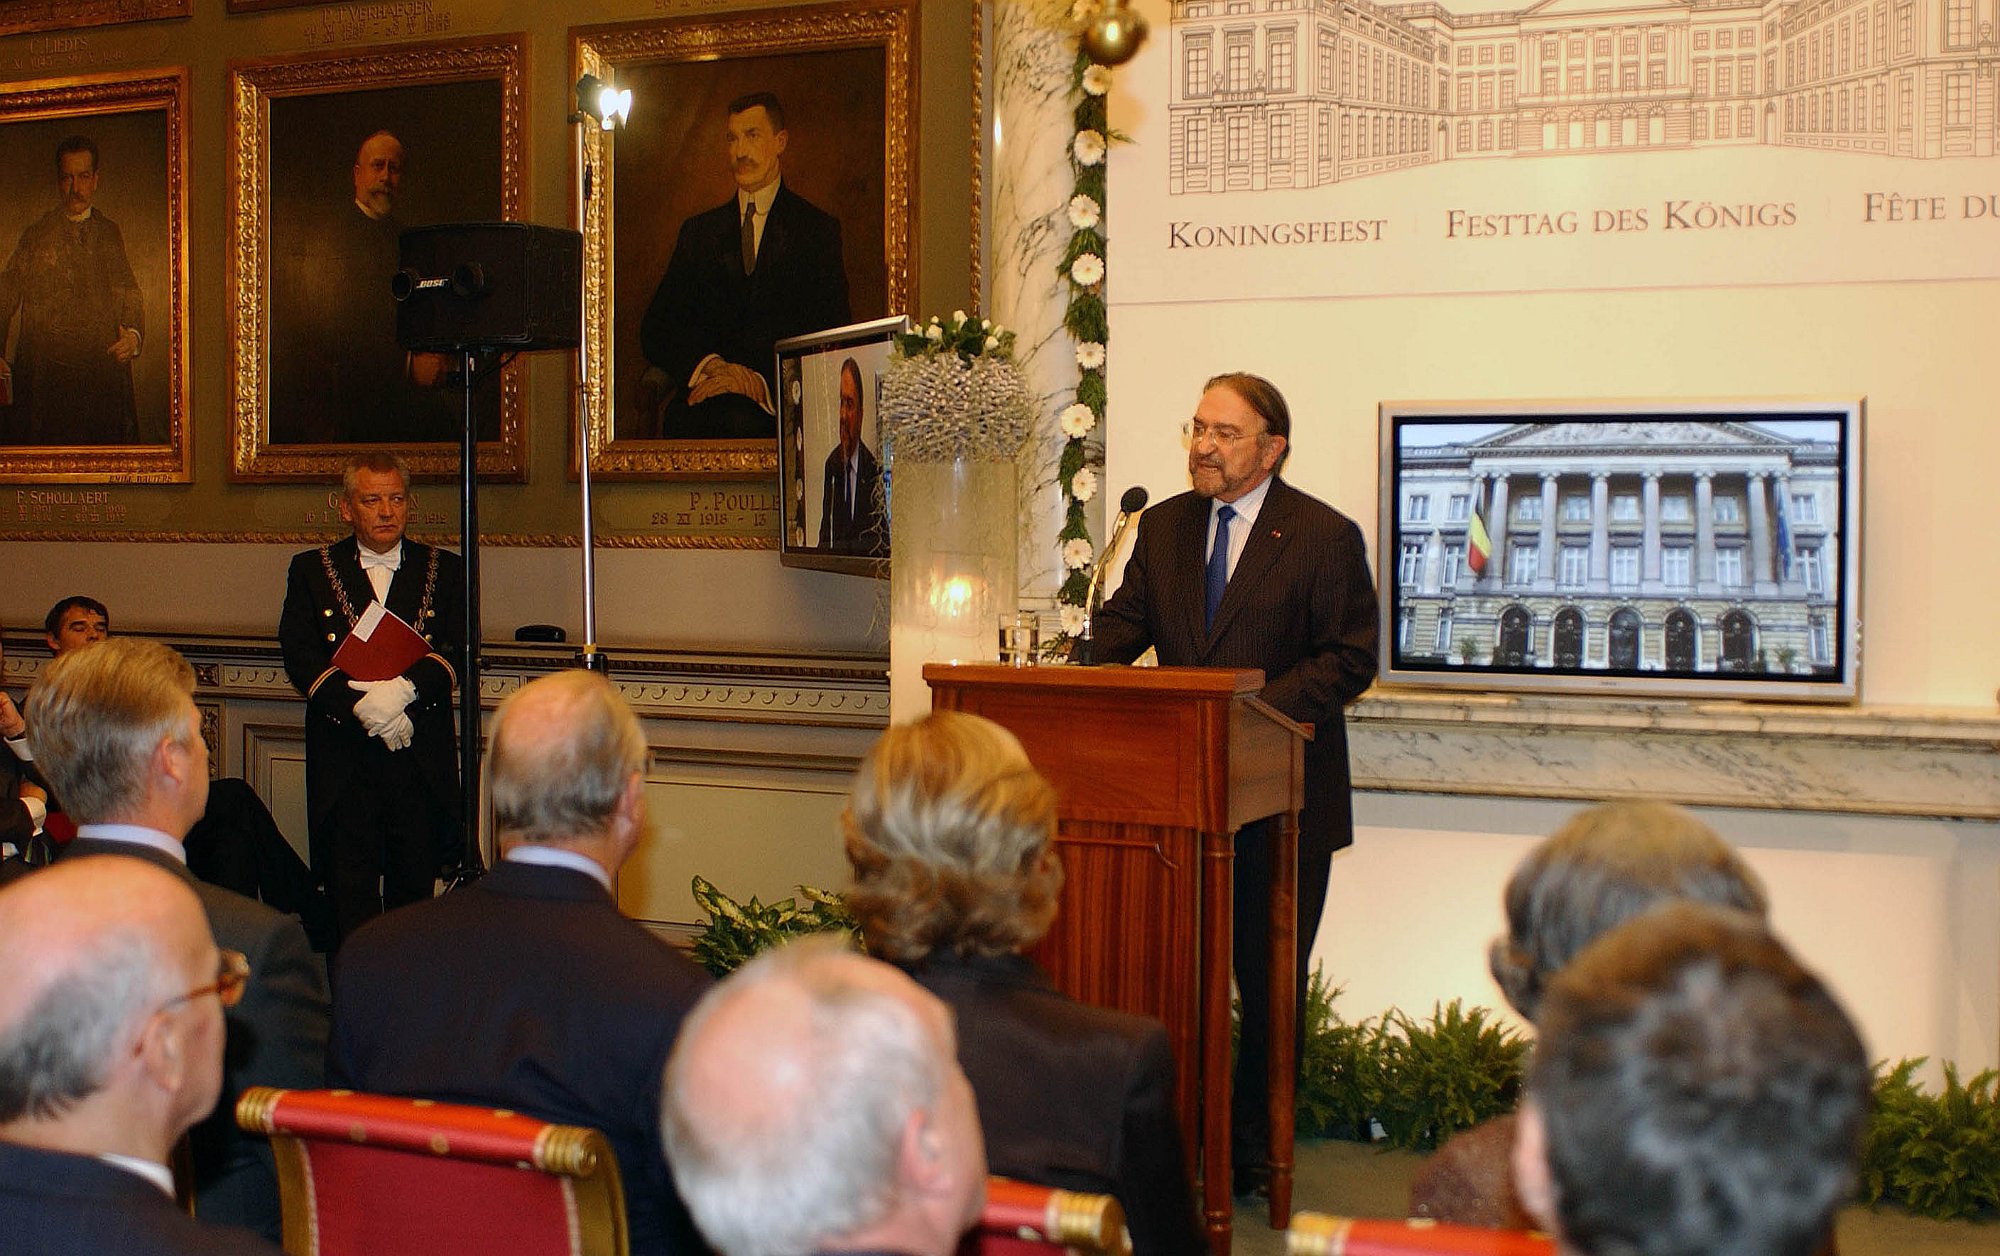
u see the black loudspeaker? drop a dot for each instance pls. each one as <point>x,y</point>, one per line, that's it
<point>489,285</point>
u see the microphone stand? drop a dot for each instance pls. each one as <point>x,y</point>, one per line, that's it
<point>1083,653</point>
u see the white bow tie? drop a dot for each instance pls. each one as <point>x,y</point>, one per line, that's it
<point>387,562</point>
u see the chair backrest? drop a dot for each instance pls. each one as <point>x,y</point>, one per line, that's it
<point>1318,1234</point>
<point>1021,1219</point>
<point>373,1175</point>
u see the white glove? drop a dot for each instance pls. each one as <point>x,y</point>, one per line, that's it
<point>396,734</point>
<point>381,701</point>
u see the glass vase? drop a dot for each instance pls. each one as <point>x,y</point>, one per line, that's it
<point>953,541</point>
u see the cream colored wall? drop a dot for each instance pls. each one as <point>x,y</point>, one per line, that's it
<point>1921,353</point>
<point>1902,915</point>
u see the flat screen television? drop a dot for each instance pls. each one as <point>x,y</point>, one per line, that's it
<point>1644,548</point>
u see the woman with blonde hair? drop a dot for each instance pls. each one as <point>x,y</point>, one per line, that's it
<point>949,831</point>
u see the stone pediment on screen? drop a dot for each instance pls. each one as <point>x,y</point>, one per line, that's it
<point>1315,148</point>
<point>1566,438</point>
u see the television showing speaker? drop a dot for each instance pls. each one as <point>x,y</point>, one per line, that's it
<point>830,452</point>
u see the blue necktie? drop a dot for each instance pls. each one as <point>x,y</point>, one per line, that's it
<point>1218,564</point>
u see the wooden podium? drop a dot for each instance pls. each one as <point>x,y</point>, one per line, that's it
<point>1156,768</point>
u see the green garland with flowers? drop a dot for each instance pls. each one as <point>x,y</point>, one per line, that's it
<point>1085,320</point>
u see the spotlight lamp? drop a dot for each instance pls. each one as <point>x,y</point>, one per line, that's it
<point>1112,35</point>
<point>599,100</point>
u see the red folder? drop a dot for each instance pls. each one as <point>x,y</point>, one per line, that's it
<point>380,646</point>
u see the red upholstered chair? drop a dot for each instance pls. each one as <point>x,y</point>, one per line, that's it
<point>1317,1234</point>
<point>370,1175</point>
<point>1025,1220</point>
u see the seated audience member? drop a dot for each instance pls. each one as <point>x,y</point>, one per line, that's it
<point>110,1048</point>
<point>527,988</point>
<point>236,844</point>
<point>1602,868</point>
<point>1695,1093</point>
<point>75,621</point>
<point>117,733</point>
<point>949,832</point>
<point>24,798</point>
<point>815,1105</point>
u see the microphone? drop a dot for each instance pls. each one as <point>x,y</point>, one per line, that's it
<point>1129,507</point>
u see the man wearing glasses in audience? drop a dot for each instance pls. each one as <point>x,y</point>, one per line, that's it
<point>119,738</point>
<point>1246,571</point>
<point>110,1048</point>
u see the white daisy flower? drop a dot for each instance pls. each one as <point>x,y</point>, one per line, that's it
<point>1090,355</point>
<point>1088,148</point>
<point>1084,212</point>
<point>1087,270</point>
<point>1077,420</point>
<point>1076,553</point>
<point>1083,485</point>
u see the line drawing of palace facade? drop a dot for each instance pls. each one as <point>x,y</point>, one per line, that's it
<point>1302,93</point>
<point>1683,546</point>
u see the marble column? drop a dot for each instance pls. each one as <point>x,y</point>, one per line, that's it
<point>1600,528</point>
<point>1760,532</point>
<point>1650,561</point>
<point>1545,577</point>
<point>1496,531</point>
<point>1704,530</point>
<point>1028,108</point>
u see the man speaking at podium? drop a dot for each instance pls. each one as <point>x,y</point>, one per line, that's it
<point>1246,571</point>
<point>381,761</point>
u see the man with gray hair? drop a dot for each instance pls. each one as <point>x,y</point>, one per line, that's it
<point>890,1158</point>
<point>528,989</point>
<point>118,736</point>
<point>110,1048</point>
<point>1694,1092</point>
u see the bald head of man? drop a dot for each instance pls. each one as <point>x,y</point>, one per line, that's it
<point>111,1041</point>
<point>814,1103</point>
<point>567,768</point>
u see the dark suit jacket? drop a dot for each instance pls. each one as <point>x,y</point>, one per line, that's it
<point>312,627</point>
<point>853,525</point>
<point>56,1204</point>
<point>705,304</point>
<point>276,1037</point>
<point>1301,606</point>
<point>1071,1096</point>
<point>528,989</point>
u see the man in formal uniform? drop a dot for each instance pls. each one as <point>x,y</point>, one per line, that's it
<point>111,1045</point>
<point>764,265</point>
<point>1246,571</point>
<point>382,798</point>
<point>850,520</point>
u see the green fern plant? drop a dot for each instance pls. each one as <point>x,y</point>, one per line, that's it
<point>1340,1082</point>
<point>1446,1074</point>
<point>737,931</point>
<point>1936,1154</point>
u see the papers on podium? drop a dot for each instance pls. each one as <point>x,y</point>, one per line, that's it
<point>380,646</point>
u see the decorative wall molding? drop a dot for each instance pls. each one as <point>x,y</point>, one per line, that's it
<point>1937,762</point>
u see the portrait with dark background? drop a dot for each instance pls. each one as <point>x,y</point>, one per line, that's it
<point>132,163</point>
<point>452,172</point>
<point>673,163</point>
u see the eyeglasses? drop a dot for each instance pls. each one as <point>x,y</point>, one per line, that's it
<point>1194,433</point>
<point>232,973</point>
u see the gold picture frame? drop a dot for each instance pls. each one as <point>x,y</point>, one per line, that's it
<point>130,129</point>
<point>314,373</point>
<point>28,17</point>
<point>847,75</point>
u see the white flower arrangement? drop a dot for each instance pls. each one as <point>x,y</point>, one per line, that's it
<point>1077,553</point>
<point>1090,355</point>
<point>1084,212</point>
<point>1077,420</point>
<point>1083,485</point>
<point>1087,269</point>
<point>1097,79</point>
<point>1088,148</point>
<point>1072,618</point>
